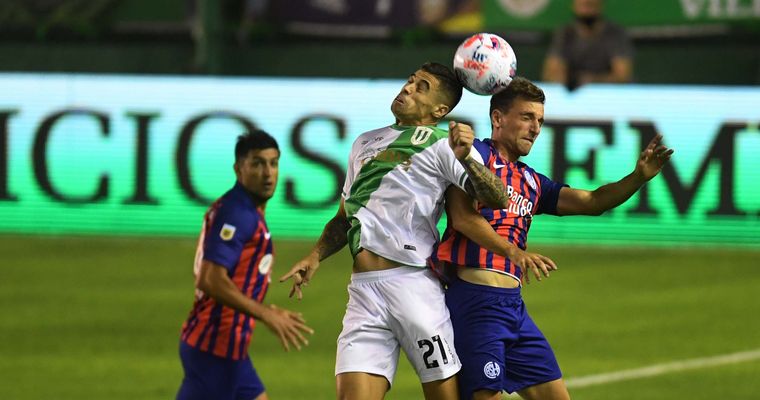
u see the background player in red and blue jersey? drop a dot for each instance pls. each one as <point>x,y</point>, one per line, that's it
<point>499,345</point>
<point>233,265</point>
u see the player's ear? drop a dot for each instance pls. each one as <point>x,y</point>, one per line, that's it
<point>440,111</point>
<point>496,118</point>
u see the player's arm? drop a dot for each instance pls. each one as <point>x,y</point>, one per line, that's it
<point>288,326</point>
<point>481,184</point>
<point>465,219</point>
<point>584,202</point>
<point>333,239</point>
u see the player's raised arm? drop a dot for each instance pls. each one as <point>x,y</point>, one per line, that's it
<point>333,239</point>
<point>482,184</point>
<point>584,202</point>
<point>465,219</point>
<point>287,325</point>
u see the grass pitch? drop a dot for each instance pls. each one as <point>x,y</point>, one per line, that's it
<point>99,318</point>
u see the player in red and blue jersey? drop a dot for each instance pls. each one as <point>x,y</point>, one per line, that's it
<point>233,266</point>
<point>499,345</point>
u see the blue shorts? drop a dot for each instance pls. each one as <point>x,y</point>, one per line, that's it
<point>499,345</point>
<point>209,377</point>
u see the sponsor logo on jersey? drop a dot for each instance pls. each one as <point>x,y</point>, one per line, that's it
<point>492,370</point>
<point>518,204</point>
<point>265,264</point>
<point>410,247</point>
<point>393,155</point>
<point>227,232</point>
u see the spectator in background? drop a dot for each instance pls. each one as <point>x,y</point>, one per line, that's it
<point>591,49</point>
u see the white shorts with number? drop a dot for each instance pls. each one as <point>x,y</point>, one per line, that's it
<point>400,306</point>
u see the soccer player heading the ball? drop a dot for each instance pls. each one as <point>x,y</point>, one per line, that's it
<point>392,200</point>
<point>233,266</point>
<point>499,345</point>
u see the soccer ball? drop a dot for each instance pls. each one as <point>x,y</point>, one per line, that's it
<point>485,63</point>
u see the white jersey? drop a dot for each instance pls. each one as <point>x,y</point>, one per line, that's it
<point>394,190</point>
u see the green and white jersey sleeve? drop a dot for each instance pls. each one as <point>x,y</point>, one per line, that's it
<point>394,190</point>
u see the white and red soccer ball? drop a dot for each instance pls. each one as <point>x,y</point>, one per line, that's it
<point>485,63</point>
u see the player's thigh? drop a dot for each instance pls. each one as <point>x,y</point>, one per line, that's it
<point>531,360</point>
<point>366,344</point>
<point>484,326</point>
<point>206,376</point>
<point>420,321</point>
<point>552,390</point>
<point>249,385</point>
<point>360,386</point>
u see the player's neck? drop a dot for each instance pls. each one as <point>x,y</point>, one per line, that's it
<point>416,122</point>
<point>505,153</point>
<point>260,202</point>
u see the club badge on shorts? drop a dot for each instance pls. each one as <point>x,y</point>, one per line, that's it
<point>227,232</point>
<point>492,370</point>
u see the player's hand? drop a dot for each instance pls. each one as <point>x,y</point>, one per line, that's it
<point>461,137</point>
<point>653,158</point>
<point>302,272</point>
<point>537,263</point>
<point>288,326</point>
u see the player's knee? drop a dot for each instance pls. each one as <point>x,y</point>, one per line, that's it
<point>486,395</point>
<point>554,390</point>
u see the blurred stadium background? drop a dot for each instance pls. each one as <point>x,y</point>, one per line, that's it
<point>117,121</point>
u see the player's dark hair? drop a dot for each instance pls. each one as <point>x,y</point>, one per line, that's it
<point>519,88</point>
<point>450,86</point>
<point>254,140</point>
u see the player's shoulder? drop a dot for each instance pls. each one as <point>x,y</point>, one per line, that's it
<point>483,144</point>
<point>375,134</point>
<point>369,137</point>
<point>237,203</point>
<point>484,147</point>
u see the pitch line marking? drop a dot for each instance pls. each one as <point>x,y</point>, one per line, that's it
<point>658,369</point>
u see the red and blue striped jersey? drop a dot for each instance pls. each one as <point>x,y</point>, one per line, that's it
<point>529,192</point>
<point>235,236</point>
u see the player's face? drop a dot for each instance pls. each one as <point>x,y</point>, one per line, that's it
<point>516,130</point>
<point>419,102</point>
<point>258,172</point>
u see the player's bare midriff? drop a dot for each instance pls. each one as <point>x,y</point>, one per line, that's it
<point>487,278</point>
<point>367,261</point>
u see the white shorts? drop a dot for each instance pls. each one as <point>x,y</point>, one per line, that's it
<point>400,306</point>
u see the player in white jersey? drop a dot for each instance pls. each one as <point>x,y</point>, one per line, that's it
<point>392,200</point>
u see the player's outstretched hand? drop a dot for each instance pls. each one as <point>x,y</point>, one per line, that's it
<point>653,158</point>
<point>537,263</point>
<point>461,137</point>
<point>288,326</point>
<point>302,272</point>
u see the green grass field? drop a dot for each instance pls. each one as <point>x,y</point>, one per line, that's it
<point>99,318</point>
